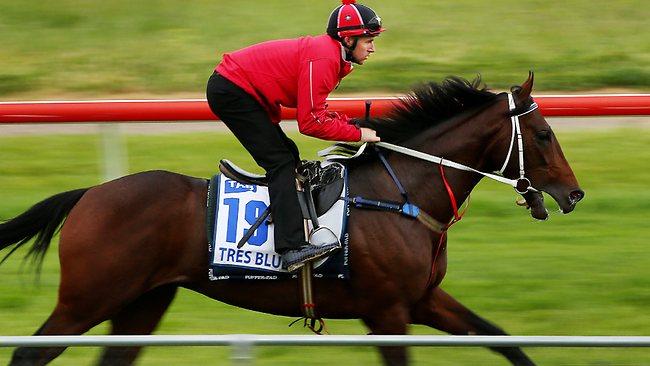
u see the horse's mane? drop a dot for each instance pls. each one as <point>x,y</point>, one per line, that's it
<point>428,105</point>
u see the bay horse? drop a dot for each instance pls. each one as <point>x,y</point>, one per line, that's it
<point>128,244</point>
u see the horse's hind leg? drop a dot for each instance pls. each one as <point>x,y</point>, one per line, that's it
<point>390,321</point>
<point>441,311</point>
<point>138,318</point>
<point>83,304</point>
<point>62,321</point>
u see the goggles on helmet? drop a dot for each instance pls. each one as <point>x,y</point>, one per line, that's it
<point>374,25</point>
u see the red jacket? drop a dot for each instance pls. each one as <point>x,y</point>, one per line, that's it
<point>296,73</point>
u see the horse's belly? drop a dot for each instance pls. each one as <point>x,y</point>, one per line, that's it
<point>333,298</point>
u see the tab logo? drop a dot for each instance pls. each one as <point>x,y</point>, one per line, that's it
<point>232,186</point>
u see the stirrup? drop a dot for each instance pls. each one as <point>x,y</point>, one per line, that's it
<point>323,236</point>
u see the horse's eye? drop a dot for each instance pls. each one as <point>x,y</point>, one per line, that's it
<point>544,135</point>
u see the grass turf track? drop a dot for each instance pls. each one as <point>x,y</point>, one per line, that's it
<point>581,274</point>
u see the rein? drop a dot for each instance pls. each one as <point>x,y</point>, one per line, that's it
<point>521,185</point>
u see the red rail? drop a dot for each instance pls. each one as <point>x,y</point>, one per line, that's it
<point>197,110</point>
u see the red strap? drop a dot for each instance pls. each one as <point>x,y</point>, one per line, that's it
<point>435,251</point>
<point>452,198</point>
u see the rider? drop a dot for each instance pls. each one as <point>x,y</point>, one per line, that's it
<point>248,87</point>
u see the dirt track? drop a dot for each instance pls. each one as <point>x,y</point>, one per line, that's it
<point>558,124</point>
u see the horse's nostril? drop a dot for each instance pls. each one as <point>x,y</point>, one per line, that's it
<point>576,195</point>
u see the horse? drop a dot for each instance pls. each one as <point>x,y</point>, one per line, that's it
<point>122,232</point>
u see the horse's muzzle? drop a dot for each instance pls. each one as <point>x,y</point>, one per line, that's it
<point>566,201</point>
<point>573,198</point>
<point>576,195</point>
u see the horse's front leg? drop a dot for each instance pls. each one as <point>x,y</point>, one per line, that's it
<point>390,320</point>
<point>441,311</point>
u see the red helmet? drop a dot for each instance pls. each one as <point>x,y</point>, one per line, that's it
<point>352,19</point>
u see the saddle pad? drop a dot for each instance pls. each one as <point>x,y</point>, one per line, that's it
<point>233,207</point>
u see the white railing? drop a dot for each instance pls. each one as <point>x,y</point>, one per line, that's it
<point>242,344</point>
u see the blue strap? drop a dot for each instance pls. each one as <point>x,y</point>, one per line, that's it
<point>410,210</point>
<point>402,191</point>
<point>406,209</point>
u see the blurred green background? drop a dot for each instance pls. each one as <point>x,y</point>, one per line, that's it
<point>582,274</point>
<point>94,48</point>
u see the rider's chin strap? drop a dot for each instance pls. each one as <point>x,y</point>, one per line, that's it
<point>350,50</point>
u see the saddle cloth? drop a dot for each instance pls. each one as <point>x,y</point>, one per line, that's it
<point>233,207</point>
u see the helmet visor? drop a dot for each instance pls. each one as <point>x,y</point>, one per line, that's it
<point>374,25</point>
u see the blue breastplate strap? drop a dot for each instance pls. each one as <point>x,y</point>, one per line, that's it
<point>406,209</point>
<point>392,174</point>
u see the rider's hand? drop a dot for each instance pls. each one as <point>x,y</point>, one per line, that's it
<point>369,135</point>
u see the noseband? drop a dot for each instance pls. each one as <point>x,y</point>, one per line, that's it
<point>521,185</point>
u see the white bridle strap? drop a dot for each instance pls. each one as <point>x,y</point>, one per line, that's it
<point>448,163</point>
<point>516,129</point>
<point>512,138</point>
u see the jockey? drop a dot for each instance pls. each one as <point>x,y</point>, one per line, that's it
<point>248,87</point>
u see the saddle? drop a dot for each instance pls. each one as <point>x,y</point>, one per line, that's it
<point>324,183</point>
<point>319,188</point>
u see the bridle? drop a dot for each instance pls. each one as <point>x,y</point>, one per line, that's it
<point>516,129</point>
<point>521,185</point>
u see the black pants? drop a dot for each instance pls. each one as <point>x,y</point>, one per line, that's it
<point>271,149</point>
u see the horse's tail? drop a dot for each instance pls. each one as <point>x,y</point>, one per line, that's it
<point>42,220</point>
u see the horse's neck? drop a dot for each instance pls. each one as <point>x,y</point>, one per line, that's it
<point>465,141</point>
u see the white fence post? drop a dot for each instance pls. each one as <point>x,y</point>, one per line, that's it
<point>242,352</point>
<point>114,159</point>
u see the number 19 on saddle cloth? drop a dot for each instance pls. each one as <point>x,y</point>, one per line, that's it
<point>233,208</point>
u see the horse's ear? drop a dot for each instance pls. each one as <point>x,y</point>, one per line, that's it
<point>527,86</point>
